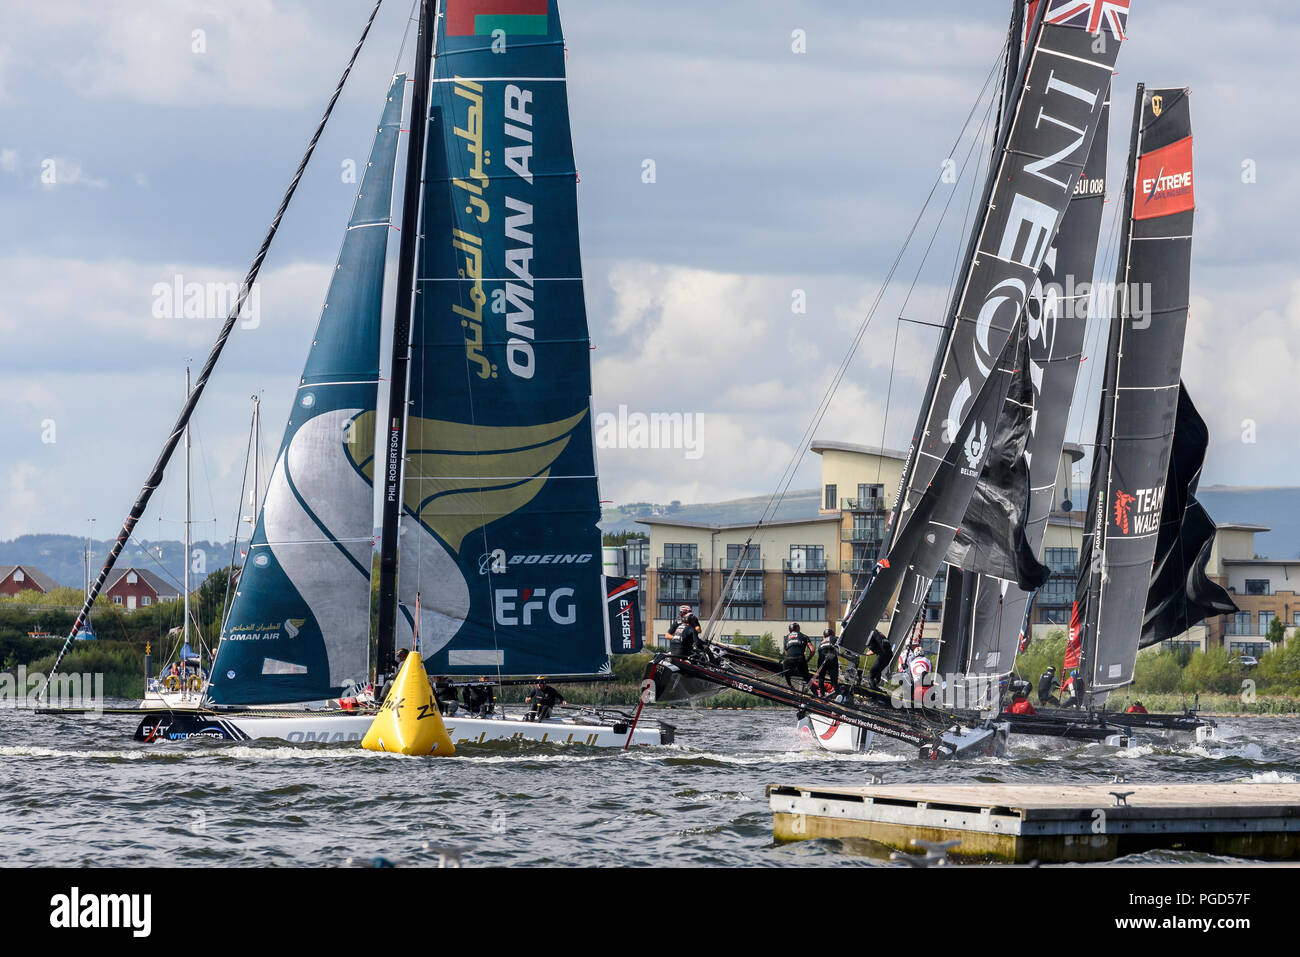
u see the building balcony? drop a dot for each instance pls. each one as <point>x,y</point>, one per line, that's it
<point>746,596</point>
<point>804,566</point>
<point>747,566</point>
<point>872,503</point>
<point>803,596</point>
<point>679,564</point>
<point>691,595</point>
<point>871,537</point>
<point>858,566</point>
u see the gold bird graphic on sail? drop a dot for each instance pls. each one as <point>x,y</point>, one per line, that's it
<point>461,477</point>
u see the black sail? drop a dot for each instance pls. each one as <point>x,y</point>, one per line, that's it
<point>1181,593</point>
<point>1041,153</point>
<point>1139,396</point>
<point>1057,318</point>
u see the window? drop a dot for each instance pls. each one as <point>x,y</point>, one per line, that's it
<point>1257,586</point>
<point>1062,561</point>
<point>680,556</point>
<point>1240,623</point>
<point>807,558</point>
<point>803,613</point>
<point>19,576</point>
<point>831,500</point>
<point>1295,618</point>
<point>743,613</point>
<point>132,578</point>
<point>668,611</point>
<point>146,600</point>
<point>805,588</point>
<point>117,599</point>
<point>1265,620</point>
<point>1255,649</point>
<point>746,558</point>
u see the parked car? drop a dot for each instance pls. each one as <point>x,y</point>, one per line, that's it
<point>1248,661</point>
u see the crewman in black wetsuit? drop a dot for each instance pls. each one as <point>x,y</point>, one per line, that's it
<point>827,679</point>
<point>543,698</point>
<point>478,698</point>
<point>1046,683</point>
<point>798,649</point>
<point>688,632</point>
<point>445,695</point>
<point>879,646</point>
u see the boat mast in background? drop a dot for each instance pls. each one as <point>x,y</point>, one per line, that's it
<point>188,518</point>
<point>392,448</point>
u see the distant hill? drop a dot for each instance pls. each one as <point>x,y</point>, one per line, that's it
<point>61,557</point>
<point>1277,507</point>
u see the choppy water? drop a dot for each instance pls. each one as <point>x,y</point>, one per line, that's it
<point>80,792</point>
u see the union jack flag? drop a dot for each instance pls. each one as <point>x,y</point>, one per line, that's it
<point>1090,15</point>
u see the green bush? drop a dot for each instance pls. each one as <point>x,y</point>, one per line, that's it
<point>1159,673</point>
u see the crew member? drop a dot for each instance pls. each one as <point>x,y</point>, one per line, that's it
<point>1135,708</point>
<point>798,649</point>
<point>1076,684</point>
<point>478,698</point>
<point>445,694</point>
<point>688,631</point>
<point>879,646</point>
<point>1046,683</point>
<point>1020,703</point>
<point>918,667</point>
<point>543,698</point>
<point>827,679</point>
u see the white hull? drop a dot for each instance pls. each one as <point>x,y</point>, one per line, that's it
<point>342,727</point>
<point>834,735</point>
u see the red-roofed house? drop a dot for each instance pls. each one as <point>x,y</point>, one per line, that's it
<point>136,588</point>
<point>20,578</point>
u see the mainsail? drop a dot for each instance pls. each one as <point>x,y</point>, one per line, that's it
<point>1041,152</point>
<point>499,543</point>
<point>1139,400</point>
<point>299,626</point>
<point>1056,321</point>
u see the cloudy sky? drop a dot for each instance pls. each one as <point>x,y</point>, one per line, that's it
<point>776,172</point>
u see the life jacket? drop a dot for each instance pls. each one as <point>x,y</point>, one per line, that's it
<point>796,645</point>
<point>1020,705</point>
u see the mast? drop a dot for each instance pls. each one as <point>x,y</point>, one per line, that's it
<point>395,433</point>
<point>1083,637</point>
<point>173,438</point>
<point>186,632</point>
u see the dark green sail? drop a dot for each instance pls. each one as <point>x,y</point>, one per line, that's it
<point>299,626</point>
<point>499,538</point>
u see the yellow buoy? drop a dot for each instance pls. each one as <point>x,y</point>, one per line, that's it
<point>409,721</point>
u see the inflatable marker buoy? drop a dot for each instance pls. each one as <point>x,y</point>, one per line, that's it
<point>409,721</point>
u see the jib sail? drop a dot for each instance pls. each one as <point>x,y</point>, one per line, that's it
<point>299,626</point>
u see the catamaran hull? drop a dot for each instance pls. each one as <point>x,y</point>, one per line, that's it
<point>344,727</point>
<point>834,736</point>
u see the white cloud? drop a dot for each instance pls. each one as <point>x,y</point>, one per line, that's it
<point>58,171</point>
<point>8,161</point>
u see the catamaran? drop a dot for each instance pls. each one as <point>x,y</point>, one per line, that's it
<point>1052,108</point>
<point>485,460</point>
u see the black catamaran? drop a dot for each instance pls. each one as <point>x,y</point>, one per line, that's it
<point>490,555</point>
<point>1054,105</point>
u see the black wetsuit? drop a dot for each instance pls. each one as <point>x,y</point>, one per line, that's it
<point>445,695</point>
<point>1045,685</point>
<point>543,699</point>
<point>687,636</point>
<point>828,670</point>
<point>879,646</point>
<point>478,699</point>
<point>796,656</point>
